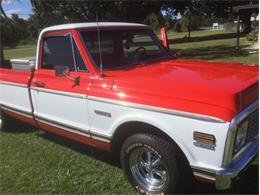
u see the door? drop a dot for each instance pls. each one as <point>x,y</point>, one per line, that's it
<point>59,101</point>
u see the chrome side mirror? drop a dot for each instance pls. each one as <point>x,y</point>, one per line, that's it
<point>61,71</point>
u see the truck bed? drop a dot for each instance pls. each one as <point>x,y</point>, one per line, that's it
<point>27,63</point>
<point>14,83</point>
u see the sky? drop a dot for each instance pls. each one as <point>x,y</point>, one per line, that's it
<point>21,7</point>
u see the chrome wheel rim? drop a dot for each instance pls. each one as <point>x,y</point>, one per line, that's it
<point>148,169</point>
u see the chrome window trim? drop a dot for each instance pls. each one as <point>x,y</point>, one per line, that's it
<point>73,52</point>
<point>72,41</point>
<point>231,136</point>
<point>157,109</point>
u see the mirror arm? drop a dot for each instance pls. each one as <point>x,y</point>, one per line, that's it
<point>75,79</point>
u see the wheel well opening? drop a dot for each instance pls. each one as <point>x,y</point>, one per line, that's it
<point>130,128</point>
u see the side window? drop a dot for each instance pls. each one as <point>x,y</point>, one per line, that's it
<point>57,51</point>
<point>79,61</point>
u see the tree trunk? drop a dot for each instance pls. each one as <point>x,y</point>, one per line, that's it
<point>189,21</point>
<point>2,58</point>
<point>245,17</point>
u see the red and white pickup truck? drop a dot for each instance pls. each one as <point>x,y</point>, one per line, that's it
<point>114,86</point>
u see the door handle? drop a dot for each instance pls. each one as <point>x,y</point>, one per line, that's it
<point>39,83</point>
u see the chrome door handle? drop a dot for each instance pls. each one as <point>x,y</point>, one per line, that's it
<point>39,83</point>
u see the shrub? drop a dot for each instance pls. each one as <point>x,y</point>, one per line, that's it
<point>253,35</point>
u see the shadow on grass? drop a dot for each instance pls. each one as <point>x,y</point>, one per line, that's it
<point>248,184</point>
<point>203,38</point>
<point>212,52</point>
<point>103,156</point>
<point>18,127</point>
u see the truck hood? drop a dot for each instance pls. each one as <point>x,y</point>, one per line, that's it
<point>218,89</point>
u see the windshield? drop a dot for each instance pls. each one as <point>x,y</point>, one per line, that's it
<point>120,48</point>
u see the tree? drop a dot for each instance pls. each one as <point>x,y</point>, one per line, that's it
<point>2,15</point>
<point>13,30</point>
<point>223,9</point>
<point>188,9</point>
<point>153,20</point>
<point>208,8</point>
<point>82,11</point>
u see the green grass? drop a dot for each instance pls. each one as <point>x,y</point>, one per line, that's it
<point>20,51</point>
<point>197,33</point>
<point>216,50</point>
<point>34,162</point>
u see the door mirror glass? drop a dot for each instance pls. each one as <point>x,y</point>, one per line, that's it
<point>61,71</point>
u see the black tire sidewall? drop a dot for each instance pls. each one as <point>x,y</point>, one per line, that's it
<point>3,121</point>
<point>6,122</point>
<point>162,149</point>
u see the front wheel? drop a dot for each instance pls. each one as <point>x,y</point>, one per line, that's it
<point>151,164</point>
<point>1,120</point>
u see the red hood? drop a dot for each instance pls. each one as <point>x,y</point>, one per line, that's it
<point>218,89</point>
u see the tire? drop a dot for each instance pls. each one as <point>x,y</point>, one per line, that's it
<point>5,121</point>
<point>153,165</point>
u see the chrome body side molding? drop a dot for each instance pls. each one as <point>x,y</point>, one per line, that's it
<point>17,111</point>
<point>157,109</point>
<point>63,126</point>
<point>57,92</point>
<point>133,105</point>
<point>73,129</point>
<point>59,125</point>
<point>13,84</point>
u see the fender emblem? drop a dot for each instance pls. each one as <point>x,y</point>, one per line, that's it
<point>203,145</point>
<point>102,113</point>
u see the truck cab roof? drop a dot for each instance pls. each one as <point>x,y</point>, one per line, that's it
<point>91,24</point>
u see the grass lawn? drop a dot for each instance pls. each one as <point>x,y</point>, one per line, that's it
<point>34,162</point>
<point>20,51</point>
<point>197,33</point>
<point>216,50</point>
